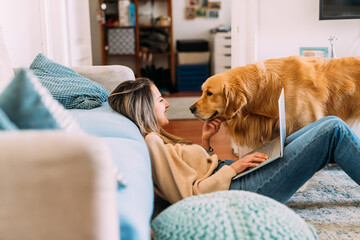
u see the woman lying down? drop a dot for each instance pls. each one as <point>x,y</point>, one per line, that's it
<point>181,169</point>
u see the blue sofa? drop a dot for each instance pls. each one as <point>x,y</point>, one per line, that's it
<point>61,185</point>
<point>130,155</point>
<point>135,200</point>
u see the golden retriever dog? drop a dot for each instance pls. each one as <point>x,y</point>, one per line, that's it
<point>247,97</point>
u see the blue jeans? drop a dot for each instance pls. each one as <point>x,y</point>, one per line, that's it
<point>306,152</point>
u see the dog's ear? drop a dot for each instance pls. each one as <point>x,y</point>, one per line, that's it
<point>234,101</point>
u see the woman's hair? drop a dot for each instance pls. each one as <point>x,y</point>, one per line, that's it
<point>134,100</point>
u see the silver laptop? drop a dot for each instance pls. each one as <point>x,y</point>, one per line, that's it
<point>275,148</point>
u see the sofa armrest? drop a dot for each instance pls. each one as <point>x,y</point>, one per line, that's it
<point>56,185</point>
<point>108,76</point>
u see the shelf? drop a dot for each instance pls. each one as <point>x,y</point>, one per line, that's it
<point>142,1</point>
<point>152,26</point>
<point>157,53</point>
<point>131,55</point>
<point>109,27</point>
<point>121,39</point>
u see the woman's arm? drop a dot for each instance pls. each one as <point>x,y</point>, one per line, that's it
<point>175,178</point>
<point>171,175</point>
<point>249,161</point>
<point>210,128</point>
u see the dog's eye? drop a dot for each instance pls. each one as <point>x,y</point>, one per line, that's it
<point>208,93</point>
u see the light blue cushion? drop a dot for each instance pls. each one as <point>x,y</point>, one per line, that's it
<point>131,157</point>
<point>135,201</point>
<point>68,87</point>
<point>230,215</point>
<point>5,123</point>
<point>105,122</point>
<point>29,105</point>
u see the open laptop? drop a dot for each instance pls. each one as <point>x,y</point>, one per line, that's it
<point>275,148</point>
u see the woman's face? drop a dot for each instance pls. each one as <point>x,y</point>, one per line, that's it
<point>160,106</point>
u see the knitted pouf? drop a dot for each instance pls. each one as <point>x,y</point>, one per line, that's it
<point>230,215</point>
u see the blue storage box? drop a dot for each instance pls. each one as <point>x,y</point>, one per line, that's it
<point>191,77</point>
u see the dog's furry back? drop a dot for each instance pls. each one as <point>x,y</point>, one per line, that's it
<point>314,88</point>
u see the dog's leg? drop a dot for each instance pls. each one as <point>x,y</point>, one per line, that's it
<point>235,148</point>
<point>355,125</point>
<point>238,150</point>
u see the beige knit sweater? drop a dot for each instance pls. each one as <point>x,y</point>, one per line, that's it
<point>181,171</point>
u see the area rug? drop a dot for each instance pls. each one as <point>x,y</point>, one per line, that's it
<point>179,108</point>
<point>331,203</point>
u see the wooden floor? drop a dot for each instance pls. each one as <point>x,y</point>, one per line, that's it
<point>191,130</point>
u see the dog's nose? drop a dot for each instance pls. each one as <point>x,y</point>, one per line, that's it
<point>192,108</point>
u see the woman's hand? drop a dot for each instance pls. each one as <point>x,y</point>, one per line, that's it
<point>249,161</point>
<point>210,128</point>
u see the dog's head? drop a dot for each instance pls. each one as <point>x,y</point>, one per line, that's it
<point>223,95</point>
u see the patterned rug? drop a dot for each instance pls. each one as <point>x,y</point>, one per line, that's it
<point>331,203</point>
<point>179,108</point>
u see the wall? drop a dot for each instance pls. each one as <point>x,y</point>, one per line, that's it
<point>283,26</point>
<point>78,32</point>
<point>198,27</point>
<point>294,24</point>
<point>59,29</point>
<point>21,25</point>
<point>182,28</point>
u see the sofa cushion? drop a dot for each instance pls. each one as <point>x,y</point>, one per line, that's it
<point>230,215</point>
<point>109,76</point>
<point>105,122</point>
<point>135,201</point>
<point>6,71</point>
<point>29,105</point>
<point>131,157</point>
<point>56,185</point>
<point>69,88</point>
<point>5,123</point>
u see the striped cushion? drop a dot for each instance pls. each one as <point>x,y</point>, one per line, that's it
<point>29,105</point>
<point>68,87</point>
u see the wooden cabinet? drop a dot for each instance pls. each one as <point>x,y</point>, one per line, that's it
<point>221,52</point>
<point>139,34</point>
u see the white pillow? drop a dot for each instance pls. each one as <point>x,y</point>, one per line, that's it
<point>6,71</point>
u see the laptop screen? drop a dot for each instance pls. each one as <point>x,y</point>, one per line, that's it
<point>282,121</point>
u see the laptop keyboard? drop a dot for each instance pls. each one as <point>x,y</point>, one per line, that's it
<point>272,149</point>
